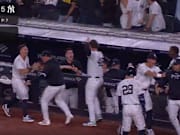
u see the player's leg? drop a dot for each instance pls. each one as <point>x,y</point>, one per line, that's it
<point>47,96</point>
<point>62,105</point>
<point>126,120</point>
<point>22,94</point>
<point>148,107</point>
<point>66,96</point>
<point>173,108</point>
<point>98,112</point>
<point>115,101</point>
<point>90,94</point>
<point>108,101</point>
<point>73,101</point>
<point>139,119</point>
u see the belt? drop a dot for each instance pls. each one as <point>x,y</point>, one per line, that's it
<point>131,104</point>
<point>95,77</point>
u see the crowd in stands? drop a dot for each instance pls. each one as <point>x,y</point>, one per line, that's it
<point>146,15</point>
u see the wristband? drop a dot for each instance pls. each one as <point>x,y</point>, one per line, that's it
<point>159,75</point>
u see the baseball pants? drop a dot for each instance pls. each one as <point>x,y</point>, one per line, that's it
<point>21,90</point>
<point>70,97</point>
<point>132,113</point>
<point>112,103</point>
<point>173,109</point>
<point>92,101</point>
<point>49,93</point>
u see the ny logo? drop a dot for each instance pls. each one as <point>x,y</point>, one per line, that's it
<point>11,9</point>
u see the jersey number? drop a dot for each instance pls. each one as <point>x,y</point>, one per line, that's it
<point>127,89</point>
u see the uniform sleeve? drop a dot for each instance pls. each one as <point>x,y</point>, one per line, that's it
<point>142,69</point>
<point>119,90</point>
<point>139,87</point>
<point>157,70</point>
<point>18,65</point>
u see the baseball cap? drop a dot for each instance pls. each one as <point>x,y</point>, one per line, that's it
<point>177,62</point>
<point>152,56</point>
<point>131,71</point>
<point>115,61</point>
<point>46,53</point>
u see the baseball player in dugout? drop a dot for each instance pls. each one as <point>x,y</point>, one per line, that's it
<point>173,54</point>
<point>21,68</point>
<point>132,100</point>
<point>115,72</point>
<point>146,74</point>
<point>94,82</point>
<point>71,66</point>
<point>172,77</point>
<point>55,89</point>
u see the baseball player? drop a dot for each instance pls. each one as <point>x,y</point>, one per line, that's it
<point>173,79</point>
<point>71,66</point>
<point>54,89</point>
<point>146,72</point>
<point>94,82</point>
<point>21,68</point>
<point>174,54</point>
<point>112,105</point>
<point>132,100</point>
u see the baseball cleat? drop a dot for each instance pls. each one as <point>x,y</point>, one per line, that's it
<point>68,119</point>
<point>27,118</point>
<point>6,110</point>
<point>44,123</point>
<point>89,124</point>
<point>99,118</point>
<point>150,132</point>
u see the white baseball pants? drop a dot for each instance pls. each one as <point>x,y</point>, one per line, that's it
<point>173,110</point>
<point>49,93</point>
<point>70,97</point>
<point>92,101</point>
<point>132,113</point>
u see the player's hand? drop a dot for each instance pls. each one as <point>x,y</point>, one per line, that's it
<point>36,66</point>
<point>75,69</point>
<point>28,83</point>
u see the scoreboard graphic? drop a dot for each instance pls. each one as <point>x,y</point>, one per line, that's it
<point>8,21</point>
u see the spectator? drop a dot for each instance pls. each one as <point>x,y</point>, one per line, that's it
<point>69,11</point>
<point>90,12</point>
<point>24,8</point>
<point>124,16</point>
<point>109,12</point>
<point>178,10</point>
<point>133,13</point>
<point>48,10</point>
<point>71,66</point>
<point>156,20</point>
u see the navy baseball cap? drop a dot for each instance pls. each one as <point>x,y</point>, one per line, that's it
<point>131,71</point>
<point>152,56</point>
<point>115,61</point>
<point>177,62</point>
<point>46,53</point>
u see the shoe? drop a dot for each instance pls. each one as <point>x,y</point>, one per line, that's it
<point>27,118</point>
<point>6,110</point>
<point>99,118</point>
<point>44,123</point>
<point>68,119</point>
<point>150,132</point>
<point>89,124</point>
